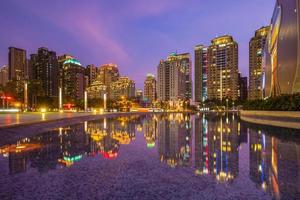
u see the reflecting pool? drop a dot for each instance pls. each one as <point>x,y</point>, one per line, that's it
<point>161,156</point>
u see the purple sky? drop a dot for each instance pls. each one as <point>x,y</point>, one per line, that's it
<point>135,34</point>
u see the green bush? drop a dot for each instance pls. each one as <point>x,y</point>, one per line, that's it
<point>280,103</point>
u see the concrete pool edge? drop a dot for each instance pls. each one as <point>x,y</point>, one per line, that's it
<point>284,119</point>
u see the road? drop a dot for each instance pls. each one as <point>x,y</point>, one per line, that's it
<point>10,119</point>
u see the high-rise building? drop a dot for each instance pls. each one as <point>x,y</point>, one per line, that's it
<point>282,51</point>
<point>45,69</point>
<point>139,94</point>
<point>74,79</point>
<point>222,79</point>
<point>96,90</point>
<point>109,73</point>
<point>150,88</point>
<point>243,88</point>
<point>91,71</point>
<point>124,87</point>
<point>17,64</point>
<point>61,60</point>
<point>200,73</point>
<point>256,47</point>
<point>174,82</point>
<point>3,75</point>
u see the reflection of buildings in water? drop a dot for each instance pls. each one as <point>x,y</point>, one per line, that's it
<point>258,162</point>
<point>275,165</point>
<point>216,146</point>
<point>109,133</point>
<point>174,139</point>
<point>150,130</point>
<point>109,147</point>
<point>46,150</point>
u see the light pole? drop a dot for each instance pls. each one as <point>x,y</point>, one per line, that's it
<point>60,99</point>
<point>85,101</point>
<point>104,102</point>
<point>25,96</point>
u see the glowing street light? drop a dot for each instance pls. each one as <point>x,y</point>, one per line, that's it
<point>25,96</point>
<point>104,99</point>
<point>60,99</point>
<point>85,101</point>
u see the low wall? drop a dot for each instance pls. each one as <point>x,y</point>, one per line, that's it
<point>286,119</point>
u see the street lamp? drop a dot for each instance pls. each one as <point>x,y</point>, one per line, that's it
<point>85,101</point>
<point>104,102</point>
<point>25,96</point>
<point>60,99</point>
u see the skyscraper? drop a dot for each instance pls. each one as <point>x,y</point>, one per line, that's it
<point>61,60</point>
<point>174,82</point>
<point>243,88</point>
<point>150,88</point>
<point>17,63</point>
<point>108,74</point>
<point>91,71</point>
<point>282,51</point>
<point>256,47</point>
<point>124,87</point>
<point>45,69</point>
<point>222,79</point>
<point>3,75</point>
<point>73,79</point>
<point>200,73</point>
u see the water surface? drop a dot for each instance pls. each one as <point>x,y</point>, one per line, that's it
<point>163,156</point>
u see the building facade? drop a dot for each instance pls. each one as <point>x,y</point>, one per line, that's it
<point>124,87</point>
<point>200,73</point>
<point>96,90</point>
<point>282,51</point>
<point>243,88</point>
<point>3,75</point>
<point>256,48</point>
<point>222,79</point>
<point>17,64</point>
<point>174,82</point>
<point>150,88</point>
<point>109,73</point>
<point>61,59</point>
<point>74,80</point>
<point>91,71</point>
<point>44,68</point>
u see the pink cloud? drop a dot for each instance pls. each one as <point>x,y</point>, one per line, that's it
<point>89,28</point>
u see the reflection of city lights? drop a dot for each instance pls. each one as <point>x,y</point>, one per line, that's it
<point>18,148</point>
<point>43,116</point>
<point>150,145</point>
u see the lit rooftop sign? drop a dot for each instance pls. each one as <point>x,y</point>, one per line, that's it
<point>72,61</point>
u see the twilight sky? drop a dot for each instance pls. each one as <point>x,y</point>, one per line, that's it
<point>135,34</point>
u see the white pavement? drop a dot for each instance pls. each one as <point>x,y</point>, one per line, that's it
<point>11,119</point>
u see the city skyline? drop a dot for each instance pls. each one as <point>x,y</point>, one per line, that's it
<point>135,38</point>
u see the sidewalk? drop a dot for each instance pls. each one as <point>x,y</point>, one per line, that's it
<point>12,119</point>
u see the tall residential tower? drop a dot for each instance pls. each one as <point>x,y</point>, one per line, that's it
<point>150,88</point>
<point>45,69</point>
<point>200,73</point>
<point>17,64</point>
<point>174,81</point>
<point>222,80</point>
<point>256,48</point>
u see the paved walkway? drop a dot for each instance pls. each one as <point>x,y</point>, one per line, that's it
<point>25,118</point>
